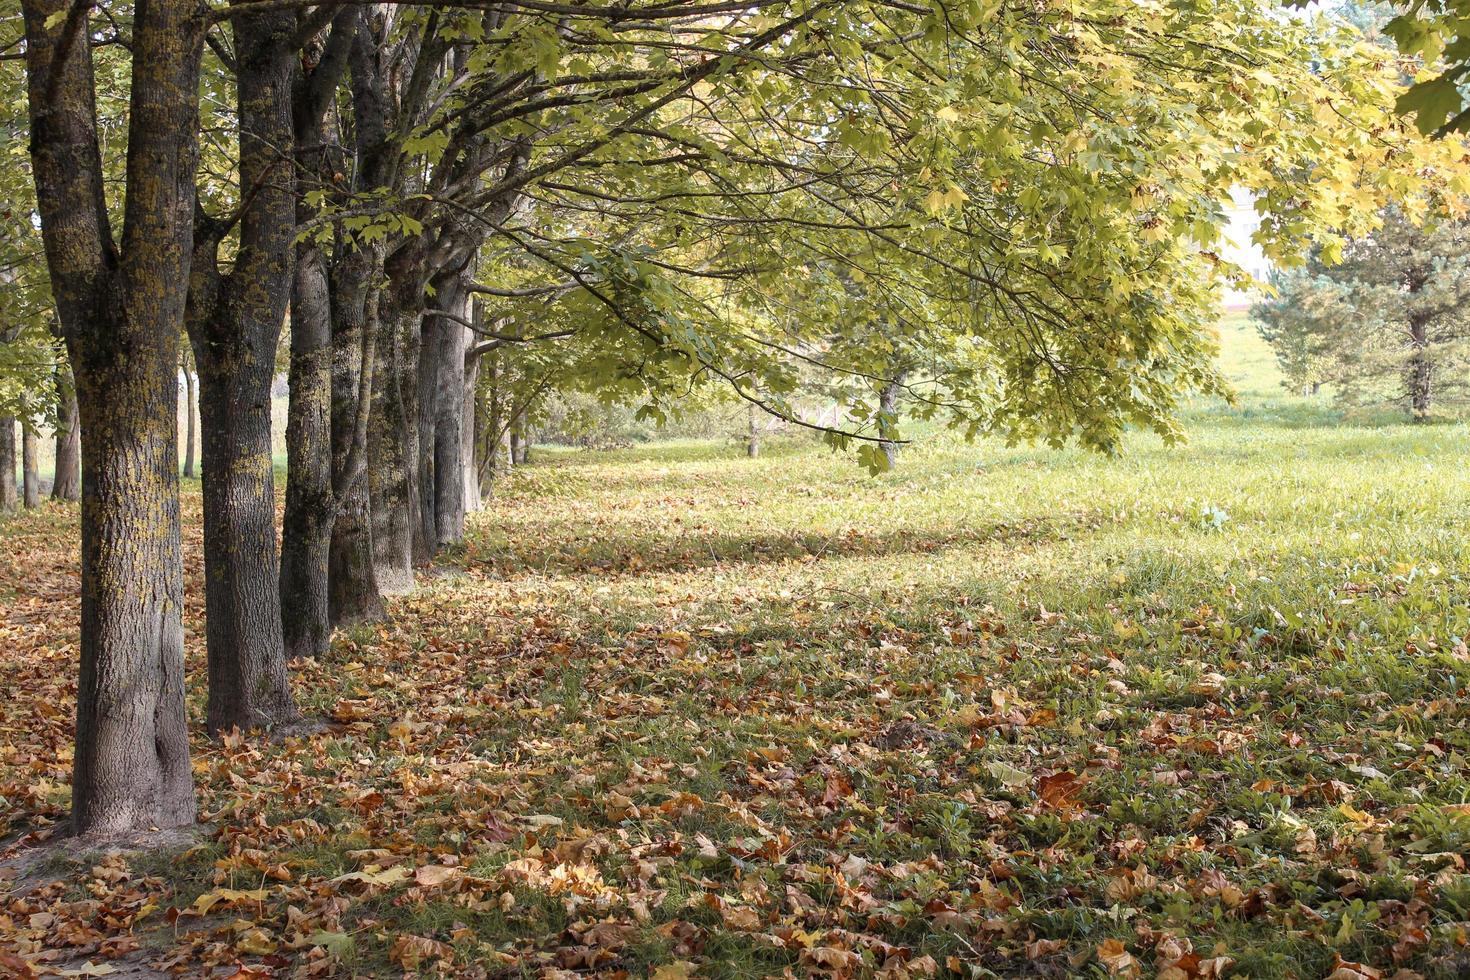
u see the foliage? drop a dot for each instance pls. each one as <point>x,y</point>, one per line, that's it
<point>1308,315</point>
<point>1039,218</point>
<point>27,351</point>
<point>1434,32</point>
<point>1387,323</point>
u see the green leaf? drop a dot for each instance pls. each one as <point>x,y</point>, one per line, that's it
<point>1432,102</point>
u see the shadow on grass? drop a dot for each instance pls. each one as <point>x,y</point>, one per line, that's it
<point>592,549</point>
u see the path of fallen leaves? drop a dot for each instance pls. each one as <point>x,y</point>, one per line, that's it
<point>512,780</point>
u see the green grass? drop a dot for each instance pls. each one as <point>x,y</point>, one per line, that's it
<point>1238,637</point>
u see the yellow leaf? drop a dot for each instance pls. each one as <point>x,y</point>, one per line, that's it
<point>256,941</point>
<point>222,897</point>
<point>1115,956</point>
<point>434,875</point>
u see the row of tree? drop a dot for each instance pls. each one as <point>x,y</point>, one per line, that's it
<point>1004,210</point>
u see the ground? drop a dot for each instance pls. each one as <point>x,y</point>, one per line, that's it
<point>1192,711</point>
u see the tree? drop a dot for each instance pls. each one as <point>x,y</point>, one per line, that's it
<point>235,316</point>
<point>67,482</point>
<point>29,358</point>
<point>8,498</point>
<point>121,309</point>
<point>325,427</point>
<point>30,467</point>
<point>1302,323</point>
<point>1389,322</point>
<point>647,201</point>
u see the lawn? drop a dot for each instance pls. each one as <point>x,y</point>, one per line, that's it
<point>1190,711</point>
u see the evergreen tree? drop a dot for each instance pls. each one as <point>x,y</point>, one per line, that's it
<point>1386,324</point>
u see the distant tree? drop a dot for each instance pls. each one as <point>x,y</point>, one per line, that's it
<point>1301,323</point>
<point>8,494</point>
<point>30,465</point>
<point>1388,323</point>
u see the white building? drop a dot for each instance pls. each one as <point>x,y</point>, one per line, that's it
<point>1240,249</point>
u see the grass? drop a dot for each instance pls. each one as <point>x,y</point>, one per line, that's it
<point>1001,712</point>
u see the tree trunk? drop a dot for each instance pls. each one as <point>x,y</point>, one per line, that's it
<point>132,755</point>
<point>235,326</point>
<point>434,334</point>
<point>9,497</point>
<point>121,307</point>
<point>470,432</point>
<point>888,406</point>
<point>191,410</point>
<point>515,444</point>
<point>311,497</point>
<point>30,450</point>
<point>449,487</point>
<point>248,686</point>
<point>752,433</point>
<point>353,595</point>
<point>67,484</point>
<point>393,450</point>
<point>488,442</point>
<point>306,531</point>
<point>1421,370</point>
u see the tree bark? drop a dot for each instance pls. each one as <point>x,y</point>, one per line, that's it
<point>191,409</point>
<point>433,331</point>
<point>121,309</point>
<point>489,439</point>
<point>470,434</point>
<point>393,449</point>
<point>353,595</point>
<point>9,496</point>
<point>67,484</point>
<point>234,326</point>
<point>752,433</point>
<point>30,450</point>
<point>441,415</point>
<point>306,532</point>
<point>311,498</point>
<point>888,405</point>
<point>1421,370</point>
